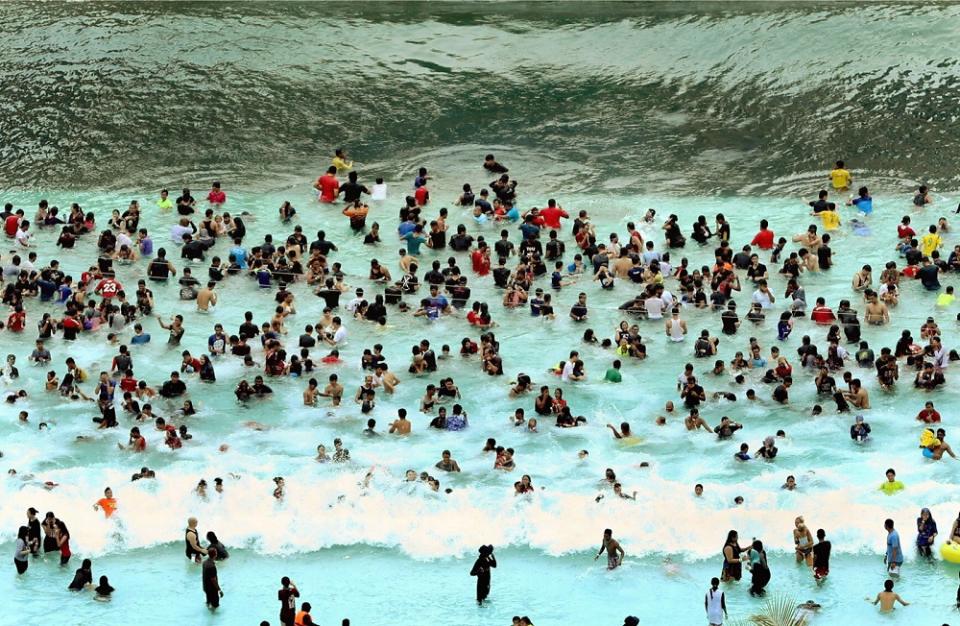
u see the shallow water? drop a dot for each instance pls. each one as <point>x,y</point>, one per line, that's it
<point>702,112</point>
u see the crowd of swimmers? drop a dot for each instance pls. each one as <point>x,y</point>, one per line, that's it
<point>530,263</point>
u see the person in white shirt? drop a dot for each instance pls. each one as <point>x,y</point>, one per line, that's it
<point>763,296</point>
<point>379,191</point>
<point>23,234</point>
<point>123,239</point>
<point>654,306</point>
<point>338,334</point>
<point>177,231</point>
<point>355,302</point>
<point>941,358</point>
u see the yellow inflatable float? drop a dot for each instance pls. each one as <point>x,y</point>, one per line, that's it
<point>950,551</point>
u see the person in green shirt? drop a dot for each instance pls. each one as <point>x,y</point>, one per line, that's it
<point>164,203</point>
<point>613,374</point>
<point>415,239</point>
<point>891,485</point>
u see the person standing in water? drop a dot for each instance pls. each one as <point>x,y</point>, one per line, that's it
<point>732,566</point>
<point>21,554</point>
<point>894,556</point>
<point>887,598</point>
<point>211,583</point>
<point>760,571</point>
<point>287,595</point>
<point>715,604</point>
<point>193,549</point>
<point>481,569</point>
<point>615,553</point>
<point>821,556</point>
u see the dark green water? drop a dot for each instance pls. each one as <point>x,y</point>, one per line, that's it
<point>692,98</point>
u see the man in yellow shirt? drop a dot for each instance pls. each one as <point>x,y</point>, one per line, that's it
<point>840,177</point>
<point>340,161</point>
<point>931,241</point>
<point>164,203</point>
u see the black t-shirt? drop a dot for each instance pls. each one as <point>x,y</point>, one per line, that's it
<point>578,310</point>
<point>330,296</point>
<point>780,393</point>
<point>288,604</point>
<point>928,276</point>
<point>819,206</point>
<point>438,239</point>
<point>351,191</point>
<point>323,246</point>
<point>758,271</point>
<point>913,256</point>
<point>821,555</point>
<point>461,243</point>
<point>824,257</point>
<point>503,247</point>
<point>500,276</point>
<point>248,330</point>
<point>729,319</point>
<point>209,575</point>
<point>81,578</point>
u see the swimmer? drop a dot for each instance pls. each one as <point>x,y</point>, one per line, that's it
<point>887,598</point>
<point>107,504</point>
<point>623,433</point>
<point>615,553</point>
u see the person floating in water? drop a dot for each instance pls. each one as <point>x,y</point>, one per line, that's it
<point>615,553</point>
<point>481,569</point>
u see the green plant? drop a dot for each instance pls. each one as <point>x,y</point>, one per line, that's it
<point>778,610</point>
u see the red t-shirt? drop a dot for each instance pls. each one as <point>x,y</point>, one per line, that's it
<point>421,195</point>
<point>481,264</point>
<point>17,321</point>
<point>904,231</point>
<point>128,384</point>
<point>763,240</point>
<point>139,445</point>
<point>11,224</point>
<point>928,416</point>
<point>551,216</point>
<point>329,186</point>
<point>822,315</point>
<point>217,196</point>
<point>108,287</point>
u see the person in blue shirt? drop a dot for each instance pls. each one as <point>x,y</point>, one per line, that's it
<point>863,201</point>
<point>536,303</point>
<point>47,289</point>
<point>139,337</point>
<point>894,555</point>
<point>64,292</point>
<point>513,214</point>
<point>415,239</point>
<point>421,178</point>
<point>528,229</point>
<point>744,454</point>
<point>238,254</point>
<point>483,203</point>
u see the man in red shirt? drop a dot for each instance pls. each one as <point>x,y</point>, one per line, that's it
<point>216,195</point>
<point>928,415</point>
<point>421,195</point>
<point>822,314</point>
<point>481,260</point>
<point>12,224</point>
<point>108,288</point>
<point>764,238</point>
<point>328,185</point>
<point>552,214</point>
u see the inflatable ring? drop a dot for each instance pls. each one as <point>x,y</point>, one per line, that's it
<point>950,551</point>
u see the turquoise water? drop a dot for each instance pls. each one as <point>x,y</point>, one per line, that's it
<point>716,108</point>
